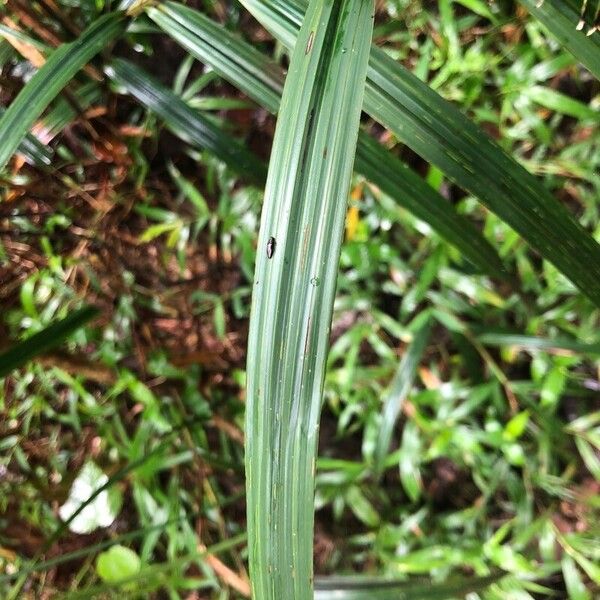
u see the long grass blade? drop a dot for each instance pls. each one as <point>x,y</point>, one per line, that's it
<point>561,18</point>
<point>35,152</point>
<point>61,66</point>
<point>397,393</point>
<point>231,57</point>
<point>532,342</point>
<point>62,112</point>
<point>340,588</point>
<point>409,190</point>
<point>185,122</point>
<point>441,134</point>
<point>45,340</point>
<point>262,80</point>
<point>299,246</point>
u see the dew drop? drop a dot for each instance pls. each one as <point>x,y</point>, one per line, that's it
<point>314,281</point>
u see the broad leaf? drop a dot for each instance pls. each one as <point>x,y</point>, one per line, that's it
<point>118,563</point>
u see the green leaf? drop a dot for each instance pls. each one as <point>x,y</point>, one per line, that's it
<point>589,456</point>
<point>63,112</point>
<point>575,586</point>
<point>230,56</point>
<point>561,17</point>
<point>35,151</point>
<point>379,588</point>
<point>553,386</point>
<point>185,122</point>
<point>262,80</point>
<point>117,564</point>
<point>361,507</point>
<point>159,229</point>
<point>32,149</point>
<point>410,457</point>
<point>515,428</point>
<point>591,569</point>
<point>561,104</point>
<point>409,190</point>
<point>61,66</point>
<point>530,342</point>
<point>45,340</point>
<point>297,262</point>
<point>440,133</point>
<point>397,393</point>
<point>479,7</point>
<point>219,319</point>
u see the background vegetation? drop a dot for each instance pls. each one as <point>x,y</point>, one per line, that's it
<point>130,196</point>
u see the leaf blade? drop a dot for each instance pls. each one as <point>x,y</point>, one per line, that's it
<point>299,246</point>
<point>397,393</point>
<point>62,65</point>
<point>560,17</point>
<point>436,130</point>
<point>379,588</point>
<point>44,340</point>
<point>230,56</point>
<point>187,123</point>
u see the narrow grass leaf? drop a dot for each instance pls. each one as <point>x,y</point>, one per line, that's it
<point>561,18</point>
<point>262,80</point>
<point>299,246</point>
<point>440,133</point>
<point>573,580</point>
<point>403,185</point>
<point>185,122</point>
<point>589,456</point>
<point>230,56</point>
<point>397,393</point>
<point>60,68</point>
<point>32,149</point>
<point>562,104</point>
<point>355,588</point>
<point>531,342</point>
<point>45,340</point>
<point>35,152</point>
<point>411,453</point>
<point>63,112</point>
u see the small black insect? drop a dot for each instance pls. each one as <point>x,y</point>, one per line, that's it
<point>271,247</point>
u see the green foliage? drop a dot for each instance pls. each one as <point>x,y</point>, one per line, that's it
<point>42,341</point>
<point>301,232</point>
<point>459,423</point>
<point>46,84</point>
<point>440,133</point>
<point>118,563</point>
<point>560,17</point>
<point>262,79</point>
